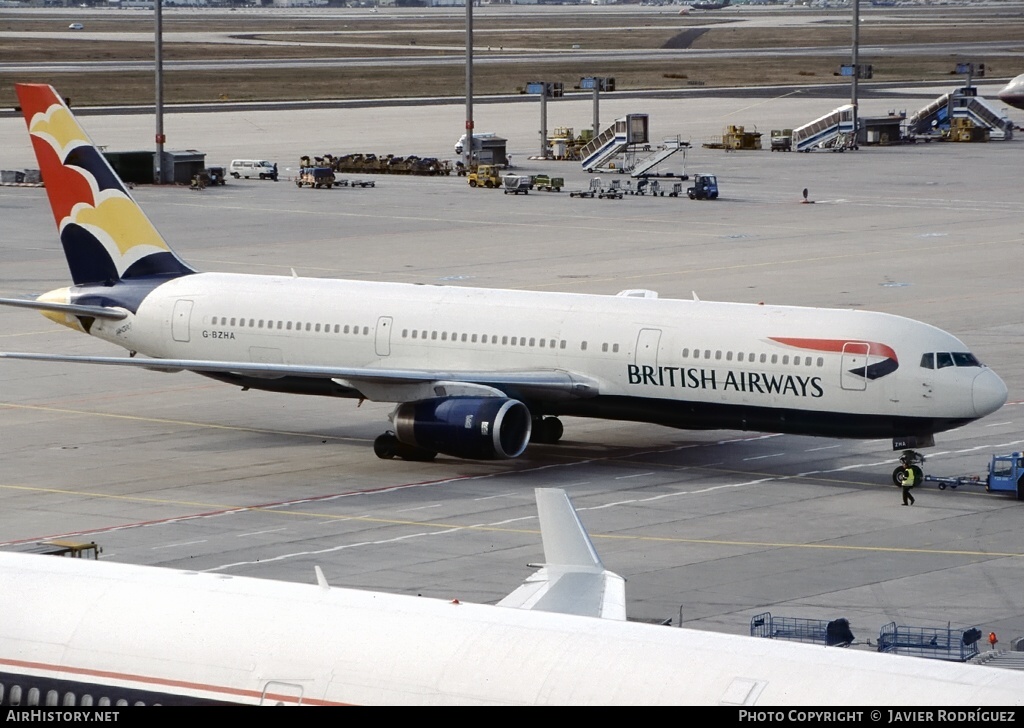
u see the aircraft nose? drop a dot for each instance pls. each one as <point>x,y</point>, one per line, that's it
<point>989,393</point>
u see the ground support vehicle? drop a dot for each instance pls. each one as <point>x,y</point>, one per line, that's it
<point>548,184</point>
<point>643,186</point>
<point>252,168</point>
<point>612,192</point>
<point>1005,475</point>
<point>363,183</point>
<point>216,175</point>
<point>486,175</point>
<point>953,483</point>
<point>592,191</point>
<point>315,177</point>
<point>515,183</point>
<point>705,187</point>
<point>782,140</point>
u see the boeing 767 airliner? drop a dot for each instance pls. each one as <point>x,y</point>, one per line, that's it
<point>480,373</point>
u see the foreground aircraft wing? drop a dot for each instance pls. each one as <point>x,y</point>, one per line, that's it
<point>573,580</point>
<point>377,384</point>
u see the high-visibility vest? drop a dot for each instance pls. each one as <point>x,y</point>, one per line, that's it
<point>908,481</point>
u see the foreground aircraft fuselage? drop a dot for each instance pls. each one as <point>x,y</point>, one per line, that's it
<point>86,633</point>
<point>479,372</point>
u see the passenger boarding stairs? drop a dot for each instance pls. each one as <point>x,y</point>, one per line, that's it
<point>963,103</point>
<point>613,141</point>
<point>669,147</point>
<point>832,131</point>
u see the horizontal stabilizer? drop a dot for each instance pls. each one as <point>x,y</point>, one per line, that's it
<point>573,580</point>
<point>114,314</point>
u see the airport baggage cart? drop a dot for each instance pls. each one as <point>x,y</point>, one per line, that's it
<point>315,177</point>
<point>515,184</point>
<point>591,191</point>
<point>612,192</point>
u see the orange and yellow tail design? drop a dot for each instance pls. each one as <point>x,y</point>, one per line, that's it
<point>105,234</point>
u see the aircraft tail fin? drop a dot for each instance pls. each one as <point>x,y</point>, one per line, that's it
<point>106,235</point>
<point>573,580</point>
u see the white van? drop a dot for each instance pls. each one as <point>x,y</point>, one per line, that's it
<point>252,168</point>
<point>477,137</point>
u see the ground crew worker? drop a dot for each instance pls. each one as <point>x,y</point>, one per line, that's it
<point>909,481</point>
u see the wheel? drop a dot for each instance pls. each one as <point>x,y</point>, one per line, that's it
<point>488,184</point>
<point>472,183</point>
<point>298,183</point>
<point>262,177</point>
<point>414,454</point>
<point>899,475</point>
<point>385,446</point>
<point>546,431</point>
<point>236,175</point>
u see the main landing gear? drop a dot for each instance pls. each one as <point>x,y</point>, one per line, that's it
<point>909,459</point>
<point>546,430</point>
<point>387,446</point>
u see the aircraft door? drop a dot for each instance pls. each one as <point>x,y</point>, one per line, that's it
<point>180,319</point>
<point>382,340</point>
<point>854,373</point>
<point>276,692</point>
<point>647,344</point>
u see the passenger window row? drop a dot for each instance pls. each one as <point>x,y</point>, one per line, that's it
<point>492,339</point>
<point>752,358</point>
<point>289,325</point>
<point>16,695</point>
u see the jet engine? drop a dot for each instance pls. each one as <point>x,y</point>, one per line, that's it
<point>477,428</point>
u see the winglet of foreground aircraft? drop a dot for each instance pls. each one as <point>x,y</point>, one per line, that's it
<point>480,373</point>
<point>90,633</point>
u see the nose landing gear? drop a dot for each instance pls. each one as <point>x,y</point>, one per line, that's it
<point>909,459</point>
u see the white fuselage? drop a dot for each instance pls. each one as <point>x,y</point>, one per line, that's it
<point>84,633</point>
<point>745,358</point>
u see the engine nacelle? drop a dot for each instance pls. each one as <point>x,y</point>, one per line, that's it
<point>477,428</point>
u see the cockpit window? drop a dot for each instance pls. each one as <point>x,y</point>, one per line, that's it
<point>965,359</point>
<point>945,359</point>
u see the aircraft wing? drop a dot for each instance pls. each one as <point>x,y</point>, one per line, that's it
<point>573,580</point>
<point>376,384</point>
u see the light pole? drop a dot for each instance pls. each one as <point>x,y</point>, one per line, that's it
<point>159,175</point>
<point>467,147</point>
